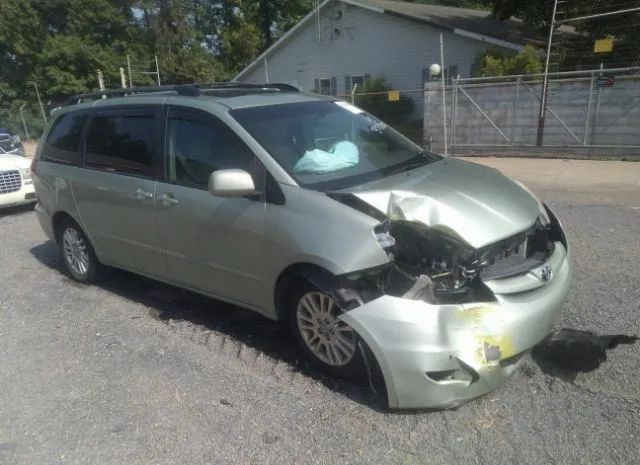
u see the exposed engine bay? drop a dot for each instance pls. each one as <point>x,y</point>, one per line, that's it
<point>431,265</point>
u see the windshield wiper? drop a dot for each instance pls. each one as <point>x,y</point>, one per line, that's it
<point>423,161</point>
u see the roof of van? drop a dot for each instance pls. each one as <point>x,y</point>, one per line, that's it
<point>229,98</point>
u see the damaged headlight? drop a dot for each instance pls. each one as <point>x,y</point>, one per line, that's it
<point>447,268</point>
<point>385,240</point>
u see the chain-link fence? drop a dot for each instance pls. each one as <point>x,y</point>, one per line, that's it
<point>590,112</point>
<point>24,118</point>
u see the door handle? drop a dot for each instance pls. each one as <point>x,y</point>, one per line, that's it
<point>142,194</point>
<point>169,200</point>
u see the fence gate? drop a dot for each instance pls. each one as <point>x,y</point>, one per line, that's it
<point>596,111</point>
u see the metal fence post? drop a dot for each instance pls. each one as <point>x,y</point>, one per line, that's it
<point>24,124</point>
<point>595,117</point>
<point>588,117</point>
<point>444,95</point>
<point>454,103</point>
<point>516,103</point>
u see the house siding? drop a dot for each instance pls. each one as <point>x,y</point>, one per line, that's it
<point>368,43</point>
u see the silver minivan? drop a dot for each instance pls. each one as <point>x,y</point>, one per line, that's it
<point>437,273</point>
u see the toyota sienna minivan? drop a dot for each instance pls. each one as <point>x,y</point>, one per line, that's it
<point>438,273</point>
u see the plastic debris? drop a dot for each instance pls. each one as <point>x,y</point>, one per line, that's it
<point>578,350</point>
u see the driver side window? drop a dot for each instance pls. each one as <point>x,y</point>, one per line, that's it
<point>197,145</point>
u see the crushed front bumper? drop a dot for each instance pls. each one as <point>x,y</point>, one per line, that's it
<point>439,356</point>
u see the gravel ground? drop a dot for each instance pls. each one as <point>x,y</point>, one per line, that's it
<point>136,372</point>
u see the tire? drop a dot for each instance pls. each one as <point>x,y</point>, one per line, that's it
<point>78,256</point>
<point>328,343</point>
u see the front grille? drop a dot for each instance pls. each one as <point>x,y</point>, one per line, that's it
<point>10,181</point>
<point>518,254</point>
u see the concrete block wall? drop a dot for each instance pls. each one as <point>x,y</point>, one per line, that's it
<point>578,115</point>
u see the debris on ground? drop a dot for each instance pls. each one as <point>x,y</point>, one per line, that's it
<point>577,350</point>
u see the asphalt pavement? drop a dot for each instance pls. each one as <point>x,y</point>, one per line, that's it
<point>135,372</point>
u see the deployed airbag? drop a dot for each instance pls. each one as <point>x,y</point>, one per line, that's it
<point>340,156</point>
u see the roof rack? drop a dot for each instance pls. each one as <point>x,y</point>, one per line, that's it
<point>191,90</point>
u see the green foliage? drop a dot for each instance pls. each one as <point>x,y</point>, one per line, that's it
<point>375,100</point>
<point>496,62</point>
<point>182,57</point>
<point>570,50</point>
<point>61,44</point>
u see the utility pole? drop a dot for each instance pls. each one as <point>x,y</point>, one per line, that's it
<point>44,115</point>
<point>444,95</point>
<point>123,78</point>
<point>157,69</point>
<point>24,124</point>
<point>545,80</point>
<point>129,70</point>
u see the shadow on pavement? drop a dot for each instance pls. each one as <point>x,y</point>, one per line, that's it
<point>169,303</point>
<point>16,210</point>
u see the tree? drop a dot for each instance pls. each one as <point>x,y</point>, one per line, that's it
<point>496,62</point>
<point>576,49</point>
<point>181,55</point>
<point>376,101</point>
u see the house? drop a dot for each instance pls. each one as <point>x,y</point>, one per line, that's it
<point>344,43</point>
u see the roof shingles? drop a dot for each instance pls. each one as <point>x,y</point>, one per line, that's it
<point>476,21</point>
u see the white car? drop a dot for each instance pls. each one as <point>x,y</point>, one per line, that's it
<point>16,185</point>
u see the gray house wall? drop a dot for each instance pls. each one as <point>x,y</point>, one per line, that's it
<point>368,43</point>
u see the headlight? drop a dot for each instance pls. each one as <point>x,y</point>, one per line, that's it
<point>26,173</point>
<point>381,233</point>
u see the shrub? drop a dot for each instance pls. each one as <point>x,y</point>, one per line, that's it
<point>376,101</point>
<point>496,62</point>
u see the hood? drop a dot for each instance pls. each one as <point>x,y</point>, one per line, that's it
<point>468,201</point>
<point>13,162</point>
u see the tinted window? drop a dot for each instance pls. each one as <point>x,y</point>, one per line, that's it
<point>198,145</point>
<point>121,142</point>
<point>63,141</point>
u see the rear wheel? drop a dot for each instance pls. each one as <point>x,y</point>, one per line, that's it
<point>329,342</point>
<point>78,256</point>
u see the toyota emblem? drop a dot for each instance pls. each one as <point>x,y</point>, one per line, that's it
<point>546,273</point>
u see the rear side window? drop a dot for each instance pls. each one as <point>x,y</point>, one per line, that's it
<point>121,142</point>
<point>63,142</point>
<point>197,145</point>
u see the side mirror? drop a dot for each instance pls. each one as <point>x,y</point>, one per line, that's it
<point>231,183</point>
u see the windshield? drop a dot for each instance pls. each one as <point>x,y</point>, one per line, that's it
<point>327,145</point>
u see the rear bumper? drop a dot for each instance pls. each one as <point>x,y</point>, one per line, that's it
<point>25,195</point>
<point>439,356</point>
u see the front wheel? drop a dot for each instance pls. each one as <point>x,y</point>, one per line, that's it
<point>329,342</point>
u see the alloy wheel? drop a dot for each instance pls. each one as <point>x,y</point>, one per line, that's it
<point>331,340</point>
<point>75,251</point>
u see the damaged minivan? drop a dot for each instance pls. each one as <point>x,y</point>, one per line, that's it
<point>437,273</point>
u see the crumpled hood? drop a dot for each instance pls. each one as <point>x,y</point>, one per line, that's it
<point>13,162</point>
<point>474,203</point>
